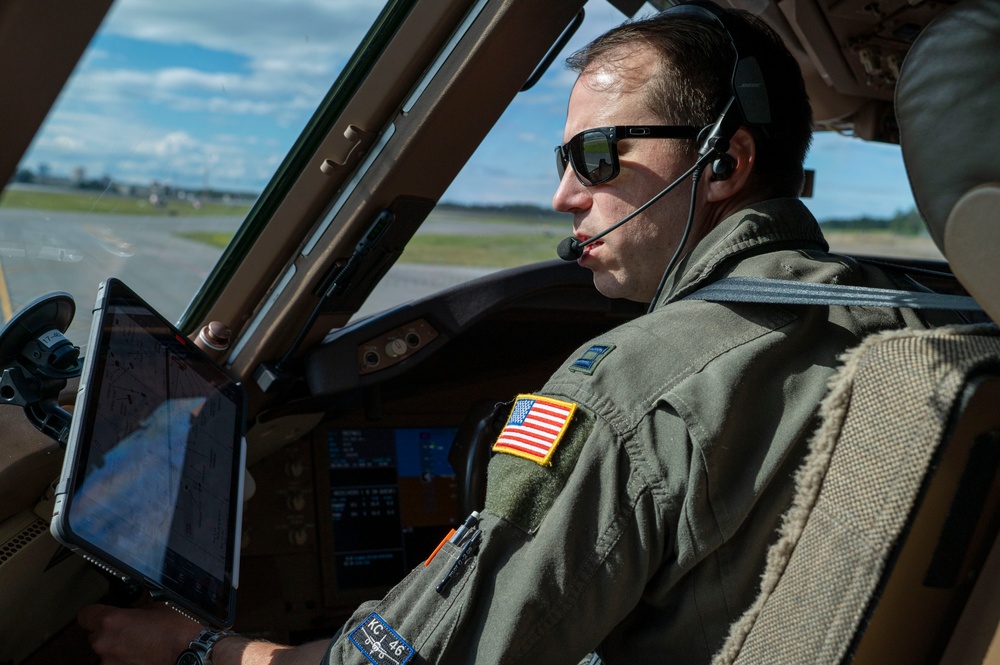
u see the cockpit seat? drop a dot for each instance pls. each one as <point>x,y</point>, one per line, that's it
<point>890,553</point>
<point>947,102</point>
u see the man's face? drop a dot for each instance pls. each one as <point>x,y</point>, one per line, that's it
<point>628,262</point>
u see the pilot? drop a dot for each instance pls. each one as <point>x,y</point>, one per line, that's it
<point>631,500</point>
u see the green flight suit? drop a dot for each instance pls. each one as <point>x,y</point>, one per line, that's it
<point>646,536</point>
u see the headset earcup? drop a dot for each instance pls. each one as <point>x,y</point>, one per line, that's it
<point>723,168</point>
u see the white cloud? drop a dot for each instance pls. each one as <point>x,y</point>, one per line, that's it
<point>276,36</point>
<point>184,89</point>
<point>173,143</point>
<point>67,143</point>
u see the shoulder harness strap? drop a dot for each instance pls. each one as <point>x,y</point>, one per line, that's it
<point>787,292</point>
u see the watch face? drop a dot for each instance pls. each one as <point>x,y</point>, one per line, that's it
<point>190,657</point>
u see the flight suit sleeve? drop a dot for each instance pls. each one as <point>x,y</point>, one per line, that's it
<point>562,553</point>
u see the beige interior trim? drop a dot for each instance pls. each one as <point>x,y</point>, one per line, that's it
<point>971,237</point>
<point>45,38</point>
<point>978,629</point>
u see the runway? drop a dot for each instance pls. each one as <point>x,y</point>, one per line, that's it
<point>43,251</point>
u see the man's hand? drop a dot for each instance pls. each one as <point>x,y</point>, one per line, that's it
<point>156,635</point>
<point>152,635</point>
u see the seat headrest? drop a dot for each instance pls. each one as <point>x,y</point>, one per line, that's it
<point>948,108</point>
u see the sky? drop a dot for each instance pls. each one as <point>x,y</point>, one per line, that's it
<point>196,94</point>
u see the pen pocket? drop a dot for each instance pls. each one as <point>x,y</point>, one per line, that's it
<point>417,613</point>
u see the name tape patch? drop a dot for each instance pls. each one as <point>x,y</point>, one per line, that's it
<point>535,427</point>
<point>380,643</point>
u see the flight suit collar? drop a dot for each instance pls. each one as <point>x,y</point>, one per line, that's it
<point>749,231</point>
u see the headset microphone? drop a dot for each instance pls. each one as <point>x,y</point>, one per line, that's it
<point>571,249</point>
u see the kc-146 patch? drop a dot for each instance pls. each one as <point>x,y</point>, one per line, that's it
<point>380,643</point>
<point>535,427</point>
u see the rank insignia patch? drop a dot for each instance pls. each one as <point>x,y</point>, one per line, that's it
<point>379,643</point>
<point>535,427</point>
<point>587,363</point>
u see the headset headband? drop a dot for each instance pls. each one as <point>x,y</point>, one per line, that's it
<point>748,102</point>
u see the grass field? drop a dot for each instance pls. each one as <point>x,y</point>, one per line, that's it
<point>486,251</point>
<point>505,251</point>
<point>108,204</point>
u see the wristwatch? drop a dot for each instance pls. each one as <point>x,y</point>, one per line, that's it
<point>199,652</point>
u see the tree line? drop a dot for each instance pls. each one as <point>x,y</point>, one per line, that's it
<point>903,222</point>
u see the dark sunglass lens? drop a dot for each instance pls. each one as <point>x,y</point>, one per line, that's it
<point>596,162</point>
<point>560,162</point>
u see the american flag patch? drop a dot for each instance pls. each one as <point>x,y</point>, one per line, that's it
<point>535,427</point>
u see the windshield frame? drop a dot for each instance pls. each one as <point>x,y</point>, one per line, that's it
<point>350,80</point>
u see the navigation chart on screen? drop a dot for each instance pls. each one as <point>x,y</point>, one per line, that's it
<point>156,491</point>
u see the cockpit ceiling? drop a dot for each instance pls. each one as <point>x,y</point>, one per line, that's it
<point>850,52</point>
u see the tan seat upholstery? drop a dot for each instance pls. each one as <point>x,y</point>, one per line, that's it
<point>878,475</point>
<point>897,511</point>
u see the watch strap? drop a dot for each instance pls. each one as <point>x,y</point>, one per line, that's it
<point>201,647</point>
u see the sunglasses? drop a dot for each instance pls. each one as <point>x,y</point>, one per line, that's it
<point>594,152</point>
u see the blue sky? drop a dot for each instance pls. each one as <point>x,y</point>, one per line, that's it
<point>213,94</point>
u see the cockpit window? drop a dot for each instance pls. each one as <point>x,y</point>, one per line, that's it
<point>173,123</point>
<point>863,200</point>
